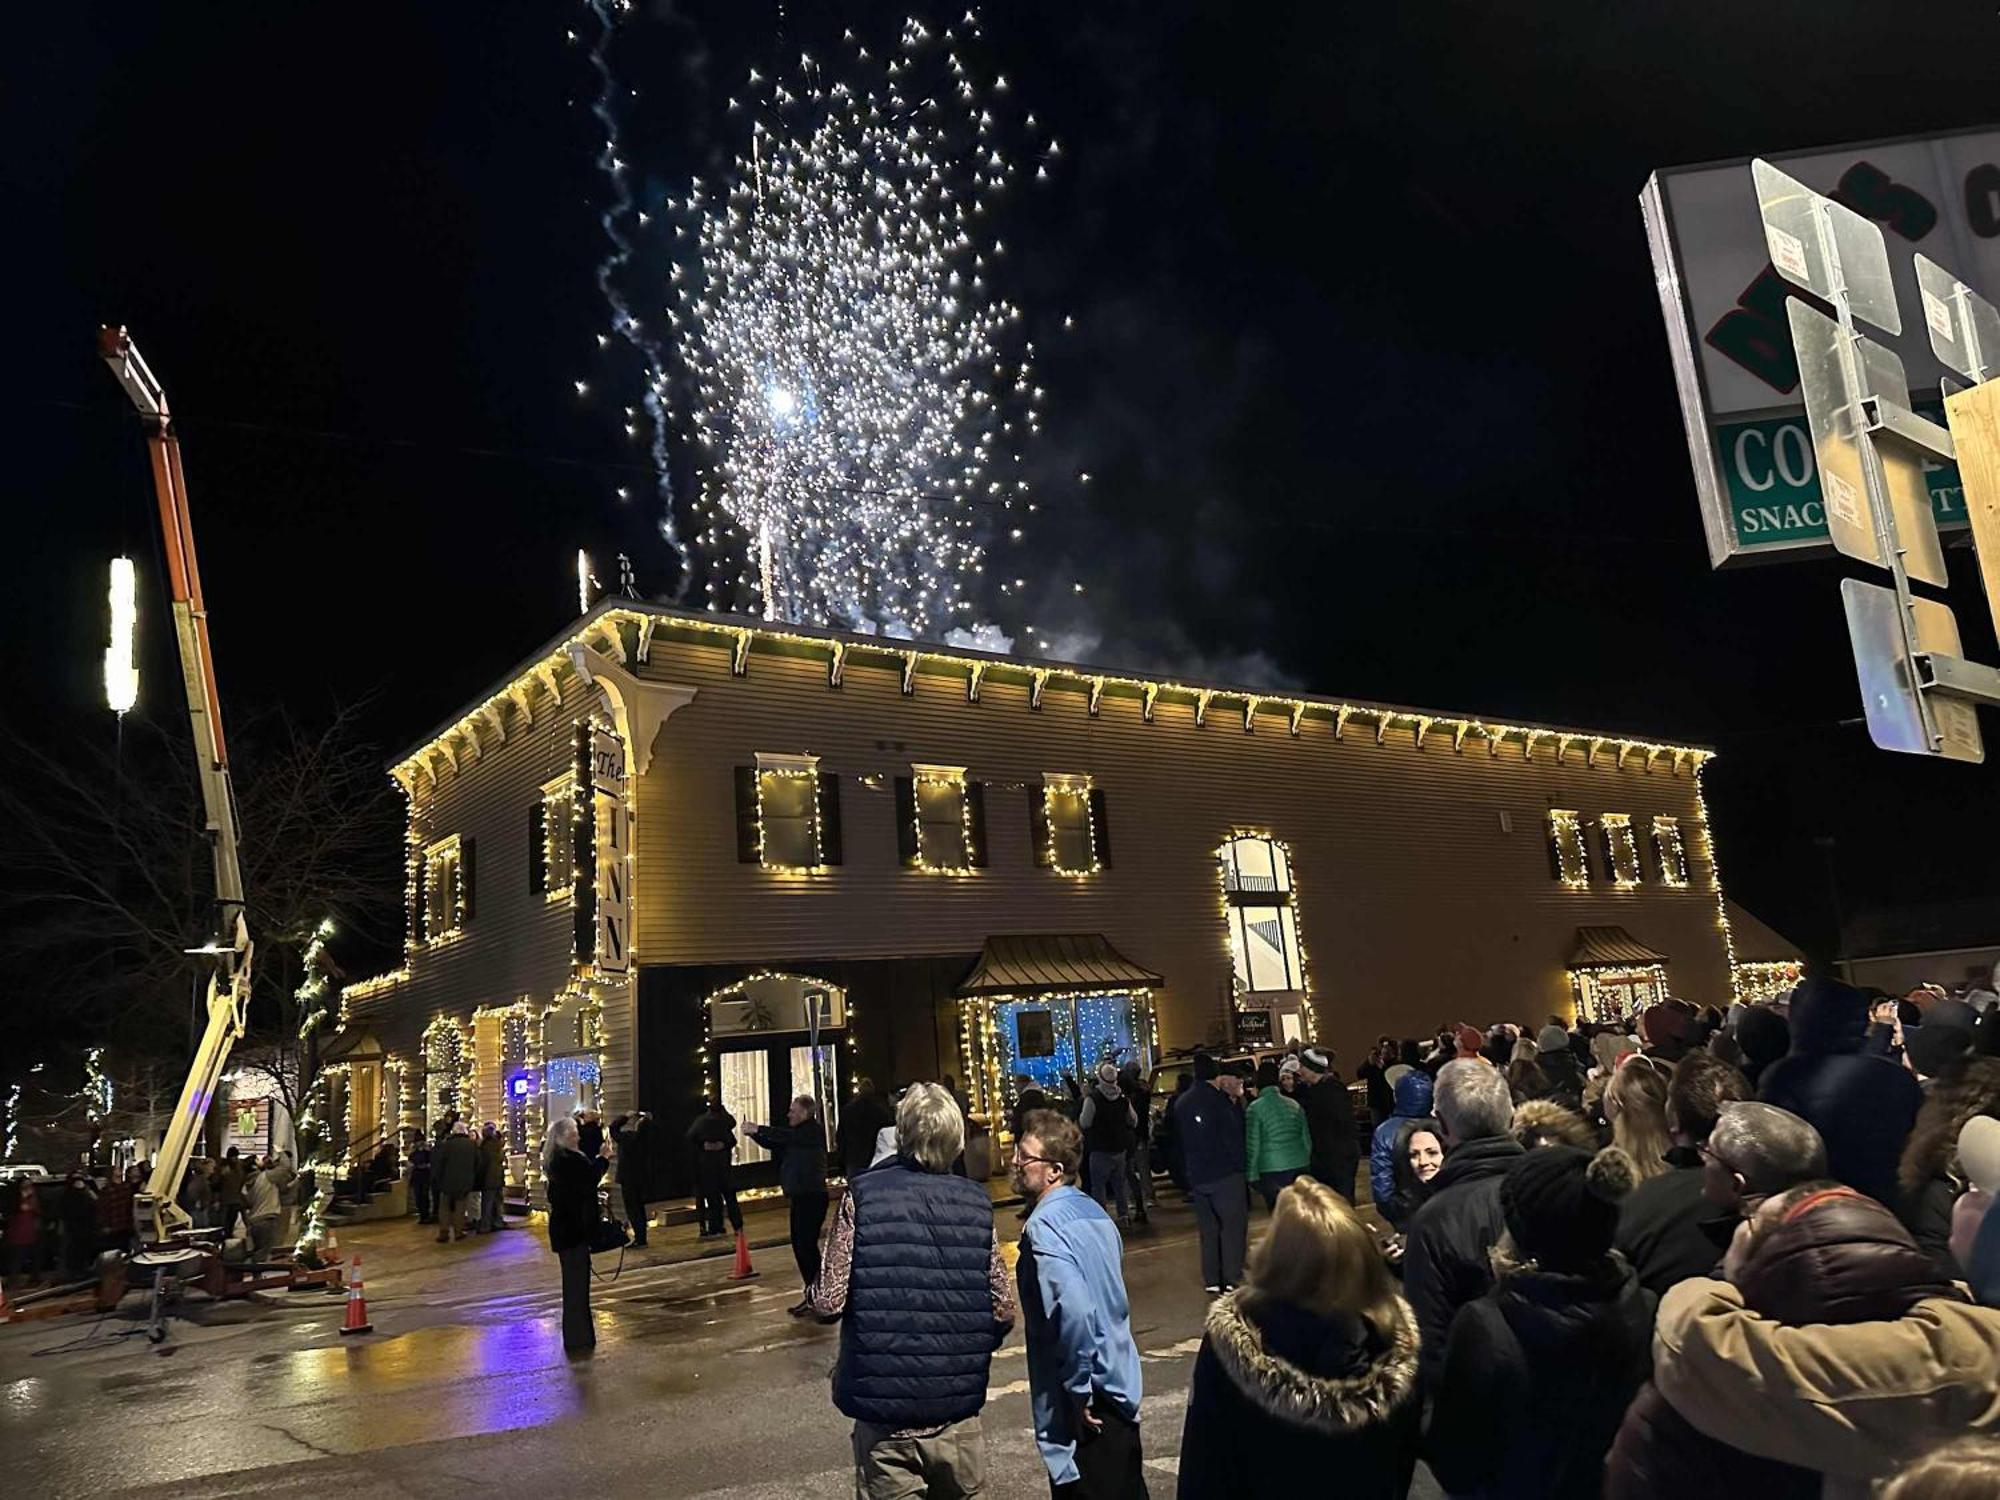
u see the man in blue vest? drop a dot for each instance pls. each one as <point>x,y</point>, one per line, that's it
<point>913,1272</point>
<point>1083,1366</point>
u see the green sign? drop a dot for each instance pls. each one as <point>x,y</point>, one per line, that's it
<point>1774,496</point>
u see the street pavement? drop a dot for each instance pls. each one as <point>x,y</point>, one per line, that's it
<point>701,1387</point>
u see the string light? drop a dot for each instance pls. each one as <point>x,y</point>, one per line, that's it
<point>1672,853</point>
<point>792,771</point>
<point>1572,861</point>
<point>1622,849</point>
<point>948,781</point>
<point>1715,881</point>
<point>852,371</point>
<point>451,1073</point>
<point>1284,897</point>
<point>444,871</point>
<point>1066,808</point>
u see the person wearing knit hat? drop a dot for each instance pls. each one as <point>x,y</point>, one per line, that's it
<point>1468,1039</point>
<point>1560,1066</point>
<point>1664,1029</point>
<point>1336,1152</point>
<point>1943,1041</point>
<point>1566,1328</point>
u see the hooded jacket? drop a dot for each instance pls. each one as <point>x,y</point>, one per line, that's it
<point>456,1170</point>
<point>1279,1393</point>
<point>1820,1297</point>
<point>1536,1378</point>
<point>1863,1107</point>
<point>1413,1102</point>
<point>1446,1262</point>
<point>1275,1136</point>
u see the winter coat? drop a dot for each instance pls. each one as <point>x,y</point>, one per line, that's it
<point>1381,1097</point>
<point>1445,1262</point>
<point>492,1163</point>
<point>801,1151</point>
<point>1208,1133</point>
<point>260,1197</point>
<point>1275,1136</point>
<point>1565,1078</point>
<point>589,1136</point>
<point>1668,1231</point>
<point>1413,1102</point>
<point>1863,1107</point>
<point>229,1185</point>
<point>1411,1194</point>
<point>1926,1213</point>
<point>1535,1379</point>
<point>1336,1154</point>
<point>860,1123</point>
<point>917,1335</point>
<point>1107,1120</point>
<point>572,1191</point>
<point>456,1170</point>
<point>707,1131</point>
<point>1837,1264</point>
<point>1280,1396</point>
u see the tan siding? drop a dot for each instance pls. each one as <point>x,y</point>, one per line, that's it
<point>1413,905</point>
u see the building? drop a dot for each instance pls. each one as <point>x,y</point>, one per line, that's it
<point>674,854</point>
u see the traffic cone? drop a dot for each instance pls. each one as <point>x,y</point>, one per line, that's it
<point>743,1270</point>
<point>357,1305</point>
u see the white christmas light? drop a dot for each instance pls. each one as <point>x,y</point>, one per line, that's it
<point>121,671</point>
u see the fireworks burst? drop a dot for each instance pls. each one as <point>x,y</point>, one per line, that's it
<point>858,390</point>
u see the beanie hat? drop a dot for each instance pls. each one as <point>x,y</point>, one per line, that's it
<point>1469,1039</point>
<point>1204,1068</point>
<point>1561,1204</point>
<point>1108,1072</point>
<point>1289,1065</point>
<point>1944,1038</point>
<point>1552,1038</point>
<point>1979,1152</point>
<point>1665,1022</point>
<point>1317,1060</point>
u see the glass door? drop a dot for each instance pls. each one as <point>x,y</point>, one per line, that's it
<point>746,1094</point>
<point>827,1089</point>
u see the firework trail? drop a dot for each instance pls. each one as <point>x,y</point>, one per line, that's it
<point>858,390</point>
<point>625,323</point>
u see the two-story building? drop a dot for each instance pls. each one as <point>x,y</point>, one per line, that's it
<point>675,855</point>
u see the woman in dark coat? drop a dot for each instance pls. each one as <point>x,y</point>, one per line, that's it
<point>572,1181</point>
<point>1929,1173</point>
<point>1419,1154</point>
<point>1538,1372</point>
<point>1309,1371</point>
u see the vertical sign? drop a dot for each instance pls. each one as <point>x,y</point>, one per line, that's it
<point>613,828</point>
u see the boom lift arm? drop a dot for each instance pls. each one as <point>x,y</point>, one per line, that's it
<point>155,1209</point>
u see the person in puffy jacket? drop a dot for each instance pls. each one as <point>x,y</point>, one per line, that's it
<point>1413,1102</point>
<point>1277,1144</point>
<point>1863,1107</point>
<point>1831,1355</point>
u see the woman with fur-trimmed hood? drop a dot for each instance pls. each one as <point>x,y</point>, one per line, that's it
<point>1308,1369</point>
<point>1538,1372</point>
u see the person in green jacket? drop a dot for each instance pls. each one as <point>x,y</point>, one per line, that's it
<point>1277,1143</point>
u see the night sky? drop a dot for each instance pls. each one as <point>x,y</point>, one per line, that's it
<point>1367,364</point>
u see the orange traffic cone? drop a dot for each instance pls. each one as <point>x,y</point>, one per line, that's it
<point>357,1305</point>
<point>743,1270</point>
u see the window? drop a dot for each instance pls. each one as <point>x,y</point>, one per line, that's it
<point>787,813</point>
<point>1070,830</point>
<point>1263,926</point>
<point>1672,855</point>
<point>1621,850</point>
<point>552,839</point>
<point>447,892</point>
<point>943,818</point>
<point>1568,859</point>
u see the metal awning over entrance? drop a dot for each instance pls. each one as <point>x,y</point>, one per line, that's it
<point>1052,964</point>
<point>1611,948</point>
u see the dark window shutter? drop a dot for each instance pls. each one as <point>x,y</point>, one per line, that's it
<point>1038,826</point>
<point>906,820</point>
<point>828,797</point>
<point>1100,828</point>
<point>975,815</point>
<point>746,815</point>
<point>468,850</point>
<point>538,847</point>
<point>583,855</point>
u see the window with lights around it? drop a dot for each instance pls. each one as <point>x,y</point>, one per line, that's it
<point>1263,922</point>
<point>552,839</point>
<point>1067,815</point>
<point>447,892</point>
<point>1669,851</point>
<point>788,811</point>
<point>1621,850</point>
<point>1569,859</point>
<point>943,818</point>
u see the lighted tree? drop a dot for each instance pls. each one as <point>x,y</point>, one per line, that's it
<point>859,394</point>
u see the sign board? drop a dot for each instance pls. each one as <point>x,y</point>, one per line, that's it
<point>1727,326</point>
<point>1253,1028</point>
<point>614,853</point>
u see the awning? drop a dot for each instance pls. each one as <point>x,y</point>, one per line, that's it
<point>1611,948</point>
<point>1050,963</point>
<point>353,1046</point>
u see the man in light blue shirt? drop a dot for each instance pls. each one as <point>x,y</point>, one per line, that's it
<point>1083,1368</point>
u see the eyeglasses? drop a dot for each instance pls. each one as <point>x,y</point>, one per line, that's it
<point>1021,1159</point>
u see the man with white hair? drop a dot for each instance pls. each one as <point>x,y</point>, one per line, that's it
<point>913,1272</point>
<point>1445,1265</point>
